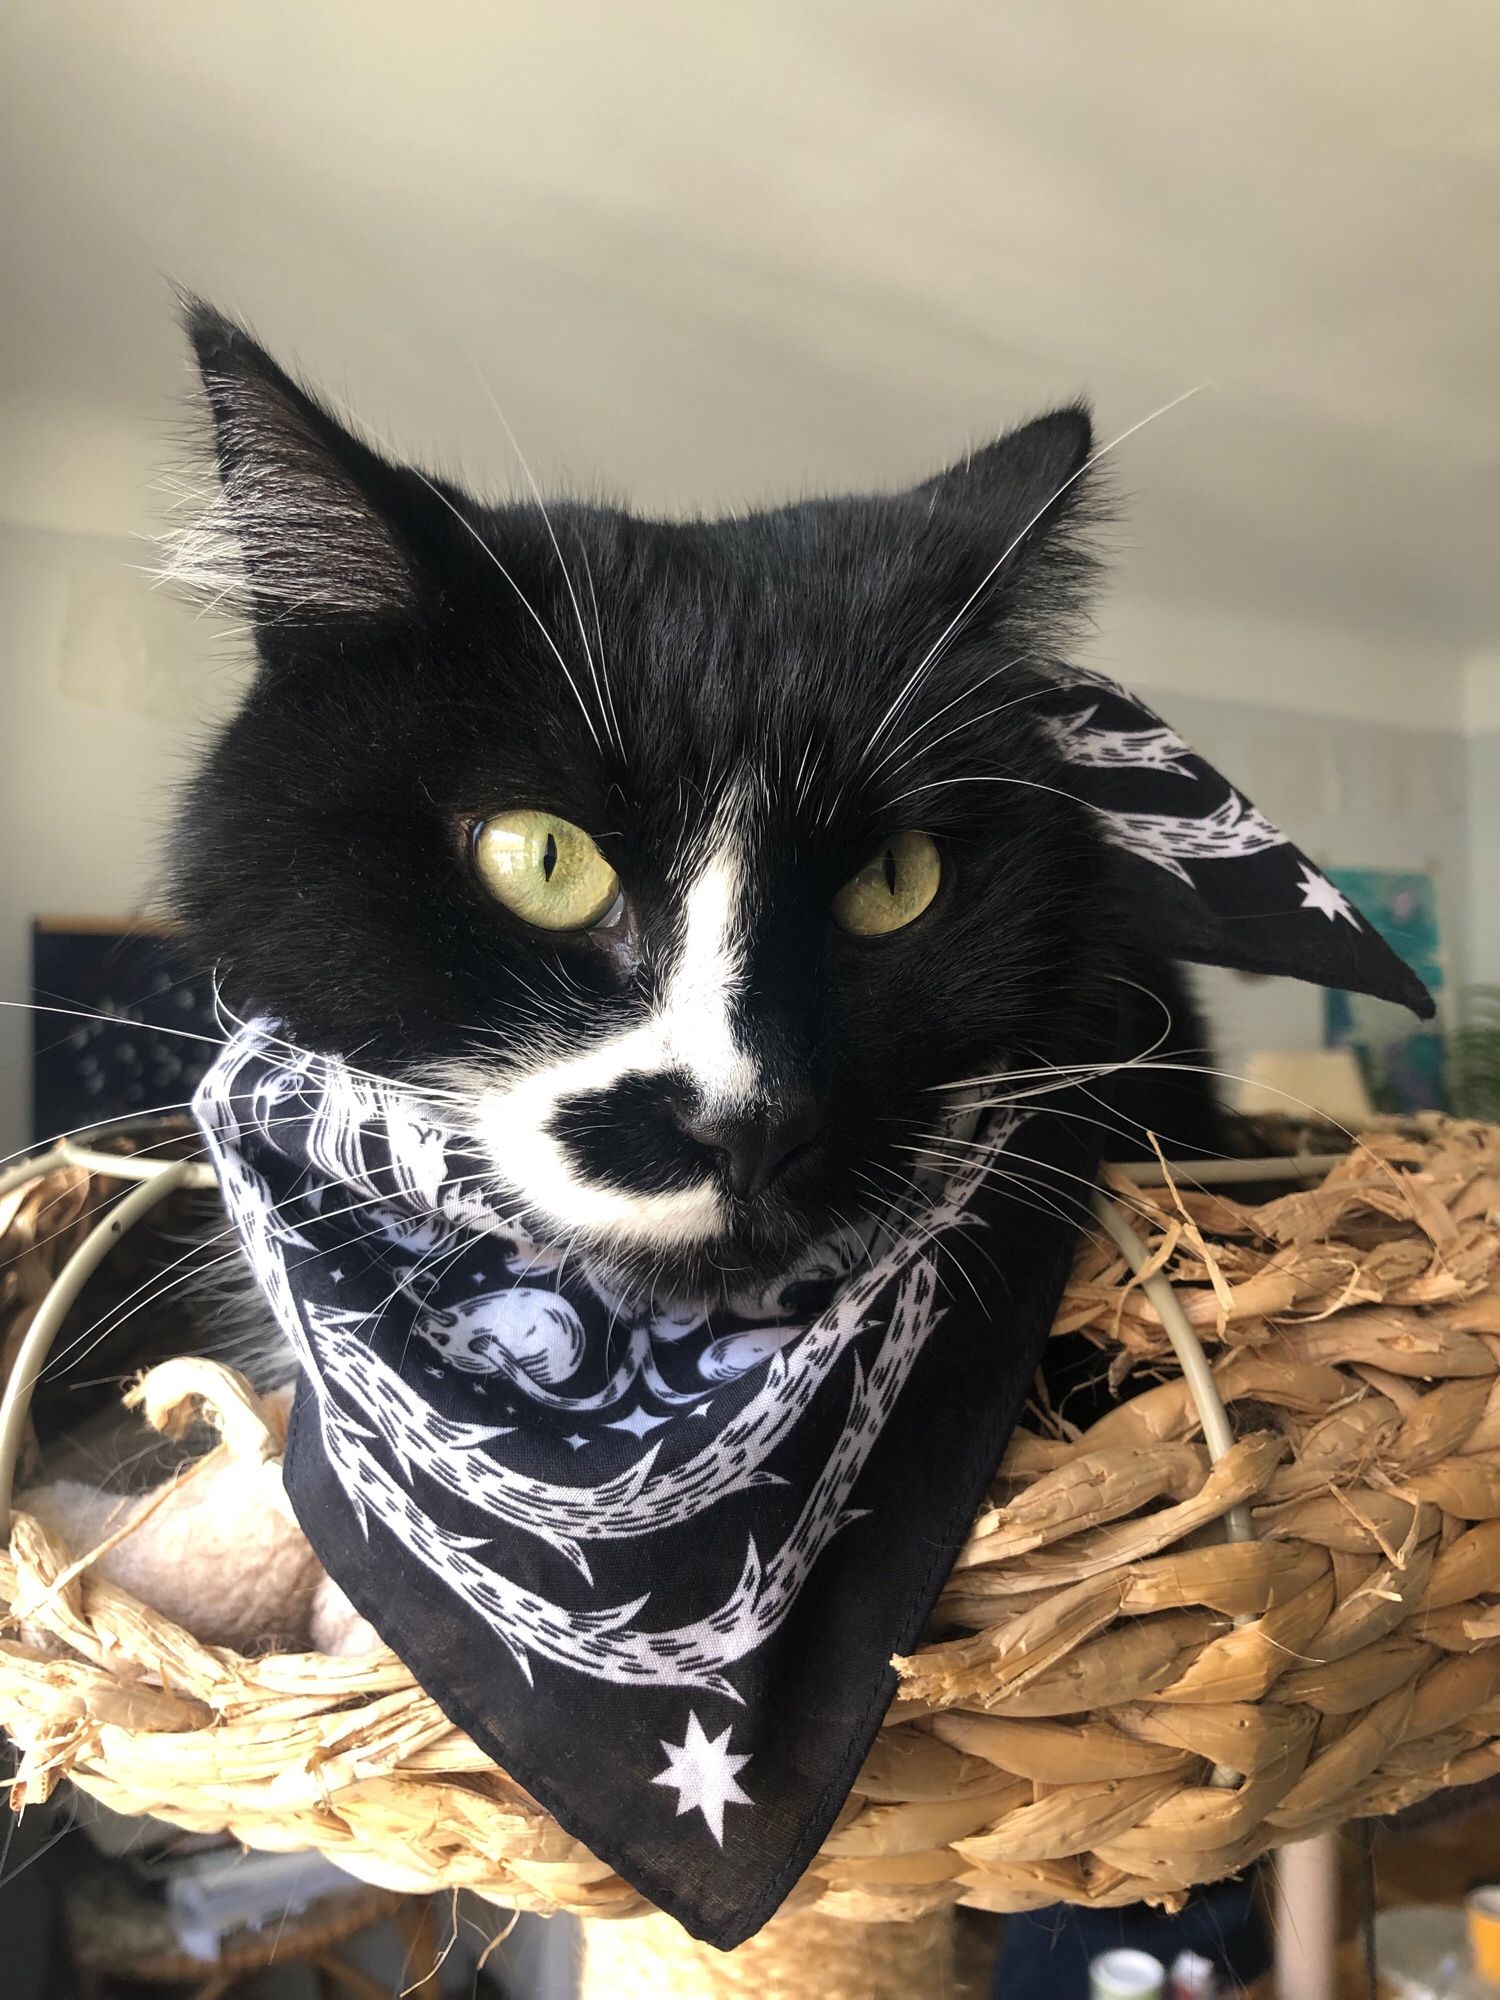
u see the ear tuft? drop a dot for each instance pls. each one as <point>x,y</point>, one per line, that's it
<point>303,525</point>
<point>1028,504</point>
<point>1034,468</point>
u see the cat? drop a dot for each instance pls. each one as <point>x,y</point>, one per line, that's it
<point>703,863</point>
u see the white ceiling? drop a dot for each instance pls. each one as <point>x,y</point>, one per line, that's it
<point>707,250</point>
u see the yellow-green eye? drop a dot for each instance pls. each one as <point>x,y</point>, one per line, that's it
<point>545,869</point>
<point>895,885</point>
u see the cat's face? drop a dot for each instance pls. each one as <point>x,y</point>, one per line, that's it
<point>692,861</point>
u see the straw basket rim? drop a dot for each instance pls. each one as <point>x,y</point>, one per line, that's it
<point>1172,1642</point>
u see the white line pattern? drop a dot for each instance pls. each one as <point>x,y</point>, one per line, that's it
<point>1231,830</point>
<point>1081,742</point>
<point>877,1322</point>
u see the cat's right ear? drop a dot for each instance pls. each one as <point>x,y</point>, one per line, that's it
<point>310,525</point>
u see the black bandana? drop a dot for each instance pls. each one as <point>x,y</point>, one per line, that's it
<point>656,1562</point>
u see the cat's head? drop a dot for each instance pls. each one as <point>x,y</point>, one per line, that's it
<point>694,860</point>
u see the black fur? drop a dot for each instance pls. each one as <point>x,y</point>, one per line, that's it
<point>321,857</point>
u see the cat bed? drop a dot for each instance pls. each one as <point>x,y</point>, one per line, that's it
<point>1256,1597</point>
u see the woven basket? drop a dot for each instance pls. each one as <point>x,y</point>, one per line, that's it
<point>1171,1643</point>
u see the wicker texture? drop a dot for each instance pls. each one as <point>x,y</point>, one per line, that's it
<point>40,1228</point>
<point>1116,1703</point>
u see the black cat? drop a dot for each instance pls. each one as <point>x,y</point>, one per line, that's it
<point>707,863</point>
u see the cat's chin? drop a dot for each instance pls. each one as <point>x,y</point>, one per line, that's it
<point>742,1268</point>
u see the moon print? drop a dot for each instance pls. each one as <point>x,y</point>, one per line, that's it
<point>535,1331</point>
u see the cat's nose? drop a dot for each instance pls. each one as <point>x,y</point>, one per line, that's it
<point>753,1145</point>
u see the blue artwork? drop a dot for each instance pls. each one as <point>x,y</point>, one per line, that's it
<point>132,1030</point>
<point>1403,1065</point>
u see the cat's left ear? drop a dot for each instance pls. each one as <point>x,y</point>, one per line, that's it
<point>1019,505</point>
<point>311,526</point>
<point>1025,481</point>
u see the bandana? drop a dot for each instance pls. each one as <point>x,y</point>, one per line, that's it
<point>655,1561</point>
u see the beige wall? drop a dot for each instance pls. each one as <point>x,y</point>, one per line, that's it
<point>104,688</point>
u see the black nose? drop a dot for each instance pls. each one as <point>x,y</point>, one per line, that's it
<point>754,1145</point>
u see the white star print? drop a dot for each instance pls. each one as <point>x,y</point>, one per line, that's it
<point>701,1769</point>
<point>640,1423</point>
<point>337,1275</point>
<point>1318,893</point>
<point>576,1441</point>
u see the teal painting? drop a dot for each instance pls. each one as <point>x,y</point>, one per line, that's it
<point>1402,1063</point>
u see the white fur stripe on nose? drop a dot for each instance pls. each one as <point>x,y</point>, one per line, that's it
<point>696,1018</point>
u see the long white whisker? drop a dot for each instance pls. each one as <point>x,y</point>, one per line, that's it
<point>1068,1071</point>
<point>970,722</point>
<point>609,693</point>
<point>1110,1123</point>
<point>196,1152</point>
<point>536,494</point>
<point>525,602</point>
<point>1038,1206</point>
<point>161,1283</point>
<point>83,1134</point>
<point>963,695</point>
<point>962,1147</point>
<point>222,1007</point>
<point>984,582</point>
<point>1195,1069</point>
<point>925,1233</point>
<point>112,1020</point>
<point>978,778</point>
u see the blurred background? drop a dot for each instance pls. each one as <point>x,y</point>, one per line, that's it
<point>706,255</point>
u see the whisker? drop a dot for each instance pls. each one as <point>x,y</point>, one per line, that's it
<point>1109,1123</point>
<point>1006,1156</point>
<point>391,1083</point>
<point>536,493</point>
<point>933,653</point>
<point>963,694</point>
<point>161,1283</point>
<point>1204,1069</point>
<point>987,778</point>
<point>102,1128</point>
<point>525,602</point>
<point>912,1224</point>
<point>1069,1071</point>
<point>196,1152</point>
<point>609,693</point>
<point>924,1233</point>
<point>113,1021</point>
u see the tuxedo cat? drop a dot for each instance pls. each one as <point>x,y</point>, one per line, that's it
<point>710,866</point>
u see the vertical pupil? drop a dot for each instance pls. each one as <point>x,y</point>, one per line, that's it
<point>890,872</point>
<point>549,857</point>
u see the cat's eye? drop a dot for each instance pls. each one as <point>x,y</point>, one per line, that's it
<point>547,870</point>
<point>892,889</point>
